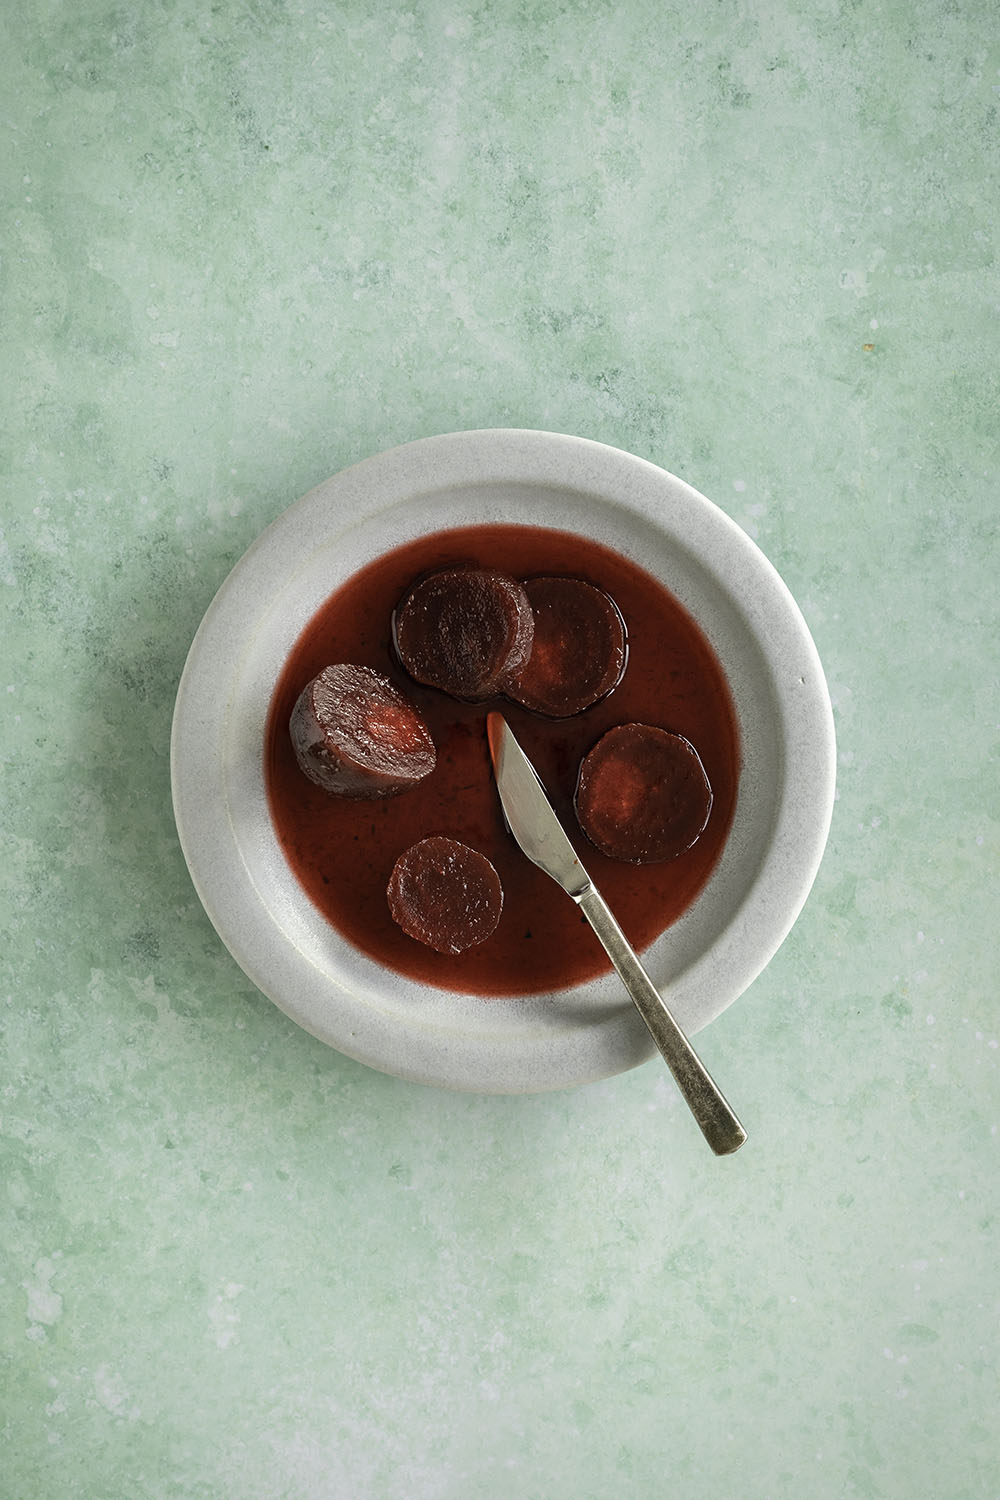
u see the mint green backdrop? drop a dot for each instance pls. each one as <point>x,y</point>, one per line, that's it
<point>246,245</point>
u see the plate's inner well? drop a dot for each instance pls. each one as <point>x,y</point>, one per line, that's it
<point>342,852</point>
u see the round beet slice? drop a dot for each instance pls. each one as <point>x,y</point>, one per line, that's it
<point>464,630</point>
<point>578,652</point>
<point>642,794</point>
<point>356,735</point>
<point>445,894</point>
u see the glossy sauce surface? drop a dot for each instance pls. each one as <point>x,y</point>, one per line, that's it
<point>343,852</point>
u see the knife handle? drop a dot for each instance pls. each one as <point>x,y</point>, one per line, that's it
<point>719,1125</point>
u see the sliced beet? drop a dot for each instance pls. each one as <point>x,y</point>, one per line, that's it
<point>445,894</point>
<point>642,794</point>
<point>356,735</point>
<point>578,652</point>
<point>464,630</point>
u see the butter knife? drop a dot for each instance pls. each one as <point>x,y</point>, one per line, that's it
<point>541,836</point>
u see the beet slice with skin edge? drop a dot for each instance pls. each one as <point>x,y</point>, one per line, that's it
<point>356,735</point>
<point>464,631</point>
<point>642,794</point>
<point>445,894</point>
<point>579,650</point>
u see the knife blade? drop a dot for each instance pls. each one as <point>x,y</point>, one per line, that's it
<point>536,828</point>
<point>529,813</point>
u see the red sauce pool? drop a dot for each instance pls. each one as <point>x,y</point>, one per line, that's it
<point>343,852</point>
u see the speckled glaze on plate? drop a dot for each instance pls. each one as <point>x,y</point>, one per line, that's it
<point>703,962</point>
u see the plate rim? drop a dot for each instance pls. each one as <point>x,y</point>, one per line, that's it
<point>483,456</point>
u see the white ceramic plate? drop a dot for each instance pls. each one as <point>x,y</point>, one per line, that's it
<point>704,961</point>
